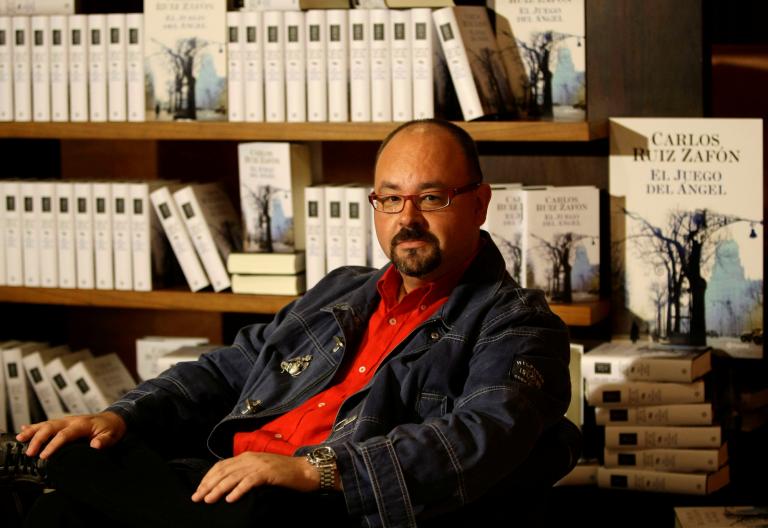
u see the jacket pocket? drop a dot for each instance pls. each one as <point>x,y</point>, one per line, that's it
<point>431,404</point>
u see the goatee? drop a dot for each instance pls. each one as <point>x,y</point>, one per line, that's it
<point>415,262</point>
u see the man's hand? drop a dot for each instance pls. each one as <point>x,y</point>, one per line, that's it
<point>104,429</point>
<point>235,476</point>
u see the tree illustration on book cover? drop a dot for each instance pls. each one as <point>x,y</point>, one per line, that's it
<point>185,60</point>
<point>688,196</point>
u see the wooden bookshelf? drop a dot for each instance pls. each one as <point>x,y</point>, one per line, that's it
<point>581,314</point>
<point>523,131</point>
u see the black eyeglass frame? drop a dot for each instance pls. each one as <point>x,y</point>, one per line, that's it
<point>452,193</point>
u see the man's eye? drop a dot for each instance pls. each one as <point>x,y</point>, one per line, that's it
<point>430,198</point>
<point>389,200</point>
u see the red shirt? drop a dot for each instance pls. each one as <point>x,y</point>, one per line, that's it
<point>311,422</point>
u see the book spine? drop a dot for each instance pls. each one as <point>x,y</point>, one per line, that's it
<point>235,82</point>
<point>317,71</point>
<point>638,368</point>
<point>402,69</point>
<point>3,277</point>
<point>381,65</point>
<point>93,397</point>
<point>142,233</point>
<point>314,198</point>
<point>679,460</point>
<point>65,235</point>
<point>134,66</point>
<point>97,67</point>
<point>335,230</point>
<point>78,68</point>
<point>22,69</point>
<point>38,379</point>
<point>16,387</point>
<point>632,393</point>
<point>683,414</point>
<point>274,66</point>
<point>379,258</point>
<point>14,249</point>
<point>48,238</point>
<point>294,32</point>
<point>59,69</point>
<point>84,255</point>
<point>41,68</point>
<point>359,66</point>
<point>6,69</point>
<point>67,391</point>
<point>121,236</point>
<point>40,7</point>
<point>356,226</point>
<point>338,65</point>
<point>3,396</point>
<point>646,437</point>
<point>254,66</point>
<point>30,234</point>
<point>658,481</point>
<point>102,236</point>
<point>117,96</point>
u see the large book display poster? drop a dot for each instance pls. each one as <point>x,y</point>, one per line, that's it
<point>185,60</point>
<point>687,230</point>
<point>551,41</point>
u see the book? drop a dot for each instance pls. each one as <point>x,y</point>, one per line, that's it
<point>59,68</point>
<point>213,226</point>
<point>22,69</point>
<point>561,242</point>
<point>294,5</point>
<point>267,263</point>
<point>314,199</point>
<point>117,51</point>
<point>102,236</point>
<point>186,63</point>
<point>150,349</point>
<point>356,227</point>
<point>575,412</point>
<point>14,250</point>
<point>45,196</point>
<point>269,284</point>
<point>101,380</point>
<point>30,233</point>
<point>644,436</point>
<point>379,257</point>
<point>6,69</point>
<point>235,66</point>
<point>253,66</point>
<point>22,401</point>
<point>274,66</point>
<point>631,393</point>
<point>720,516</point>
<point>58,372</point>
<point>672,414</point>
<point>511,57</point>
<point>152,254</point>
<point>178,237</point>
<point>41,68</point>
<point>423,40</point>
<point>663,481</point>
<point>335,228</point>
<point>504,222</point>
<point>687,192</point>
<point>381,65</point>
<point>624,360</point>
<point>584,473</point>
<point>273,177</point>
<point>98,85</point>
<point>402,44</point>
<point>65,234</point>
<point>474,62</point>
<point>359,65</point>
<point>34,366</point>
<point>121,236</point>
<point>552,43</point>
<point>317,66</point>
<point>2,236</point>
<point>338,65</point>
<point>78,68</point>
<point>3,385</point>
<point>676,460</point>
<point>182,354</point>
<point>134,66</point>
<point>41,7</point>
<point>294,31</point>
<point>84,249</point>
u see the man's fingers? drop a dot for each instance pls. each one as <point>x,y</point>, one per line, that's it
<point>59,439</point>
<point>37,435</point>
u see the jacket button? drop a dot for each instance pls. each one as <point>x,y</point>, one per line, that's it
<point>250,407</point>
<point>434,336</point>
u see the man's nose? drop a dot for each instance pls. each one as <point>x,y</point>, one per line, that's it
<point>410,214</point>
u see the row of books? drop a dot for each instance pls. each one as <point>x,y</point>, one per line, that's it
<point>38,7</point>
<point>155,354</point>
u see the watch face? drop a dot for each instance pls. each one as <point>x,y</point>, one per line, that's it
<point>323,454</point>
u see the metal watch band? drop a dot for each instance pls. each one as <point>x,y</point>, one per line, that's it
<point>324,459</point>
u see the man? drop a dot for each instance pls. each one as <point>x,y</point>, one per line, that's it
<point>402,394</point>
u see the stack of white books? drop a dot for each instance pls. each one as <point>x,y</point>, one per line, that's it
<point>149,350</point>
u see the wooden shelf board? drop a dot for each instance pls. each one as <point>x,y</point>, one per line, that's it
<point>579,314</point>
<point>481,131</point>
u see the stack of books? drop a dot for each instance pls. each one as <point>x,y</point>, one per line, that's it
<point>661,433</point>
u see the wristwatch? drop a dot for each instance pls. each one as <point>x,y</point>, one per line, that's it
<point>324,459</point>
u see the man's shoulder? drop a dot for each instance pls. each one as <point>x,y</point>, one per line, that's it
<point>339,283</point>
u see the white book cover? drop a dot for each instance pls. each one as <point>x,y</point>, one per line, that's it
<point>3,391</point>
<point>121,236</point>
<point>59,68</point>
<point>22,402</point>
<point>271,5</point>
<point>214,227</point>
<point>274,66</point>
<point>662,481</point>
<point>253,64</point>
<point>2,236</point>
<point>6,69</point>
<point>358,231</point>
<point>22,69</point>
<point>273,177</point>
<point>359,65</point>
<point>269,284</point>
<point>58,372</point>
<point>185,41</point>
<point>235,81</point>
<point>134,66</point>
<point>422,63</point>
<point>41,68</point>
<point>117,86</point>
<point>379,257</point>
<point>551,40</point>
<point>65,234</point>
<point>41,7</point>
<point>267,263</point>
<point>381,65</point>
<point>335,229</point>
<point>631,393</point>
<point>504,222</point>
<point>402,71</point>
<point>295,66</point>
<point>561,242</point>
<point>47,233</point>
<point>176,232</point>
<point>314,200</point>
<point>30,233</point>
<point>84,249</point>
<point>662,436</point>
<point>78,68</point>
<point>677,460</point>
<point>183,353</point>
<point>687,225</point>
<point>102,236</point>
<point>317,65</point>
<point>150,349</point>
<point>101,380</point>
<point>97,67</point>
<point>575,412</point>
<point>149,244</point>
<point>673,414</point>
<point>14,248</point>
<point>338,65</point>
<point>37,376</point>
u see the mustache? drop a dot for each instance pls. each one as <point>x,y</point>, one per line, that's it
<point>408,234</point>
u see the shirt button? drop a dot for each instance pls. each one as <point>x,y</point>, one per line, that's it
<point>393,321</point>
<point>361,370</point>
<point>423,307</point>
<point>278,435</point>
<point>321,404</point>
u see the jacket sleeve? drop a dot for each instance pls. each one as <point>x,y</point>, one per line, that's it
<point>517,386</point>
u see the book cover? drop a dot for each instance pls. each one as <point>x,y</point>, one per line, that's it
<point>84,248</point>
<point>22,69</point>
<point>663,481</point>
<point>37,376</point>
<point>676,460</point>
<point>356,225</point>
<point>381,65</point>
<point>98,86</point>
<point>134,65</point>
<point>379,257</point>
<point>41,7</point>
<point>30,233</point>
<point>14,249</point>
<point>117,50</point>
<point>101,380</point>
<point>504,222</point>
<point>102,236</point>
<point>689,258</point>
<point>6,69</point>
<point>660,436</point>
<point>630,393</point>
<point>41,68</point>
<point>235,81</point>
<point>59,68</point>
<point>121,236</point>
<point>561,242</point>
<point>314,199</point>
<point>575,412</point>
<point>3,385</point>
<point>185,60</point>
<point>273,177</point>
<point>274,66</point>
<point>359,65</point>
<point>402,45</point>
<point>338,65</point>
<point>45,196</point>
<point>58,372</point>
<point>3,277</point>
<point>269,284</point>
<point>551,41</point>
<point>423,42</point>
<point>22,401</point>
<point>150,349</point>
<point>294,31</point>
<point>183,353</point>
<point>65,234</point>
<point>78,68</point>
<point>253,66</point>
<point>335,227</point>
<point>153,260</point>
<point>317,66</point>
<point>672,414</point>
<point>267,263</point>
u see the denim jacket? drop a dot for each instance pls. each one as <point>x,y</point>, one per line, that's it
<point>455,408</point>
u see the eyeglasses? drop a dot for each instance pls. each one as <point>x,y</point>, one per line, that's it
<point>426,201</point>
